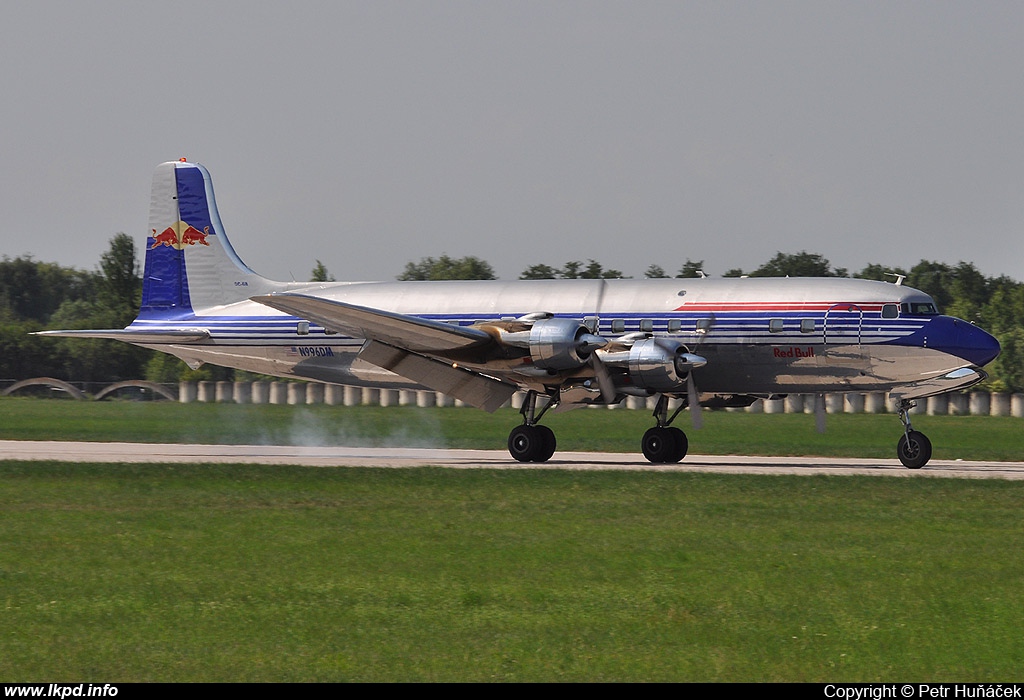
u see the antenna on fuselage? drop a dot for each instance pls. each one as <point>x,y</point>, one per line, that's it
<point>899,278</point>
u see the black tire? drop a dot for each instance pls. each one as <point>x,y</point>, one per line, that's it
<point>523,443</point>
<point>682,444</point>
<point>531,443</point>
<point>547,443</point>
<point>914,450</point>
<point>659,445</point>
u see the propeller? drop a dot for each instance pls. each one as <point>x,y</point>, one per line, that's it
<point>819,413</point>
<point>692,395</point>
<point>693,400</point>
<point>604,379</point>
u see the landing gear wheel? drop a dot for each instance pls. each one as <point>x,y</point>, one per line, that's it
<point>914,450</point>
<point>531,443</point>
<point>664,445</point>
<point>682,444</point>
<point>547,443</point>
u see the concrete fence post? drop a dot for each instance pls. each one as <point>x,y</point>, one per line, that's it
<point>314,393</point>
<point>834,403</point>
<point>187,392</point>
<point>1000,405</point>
<point>636,403</point>
<point>334,394</point>
<point>278,392</point>
<point>1017,405</point>
<point>980,402</point>
<point>296,393</point>
<point>225,392</point>
<point>874,402</point>
<point>207,392</point>
<point>854,403</point>
<point>959,404</point>
<point>243,392</point>
<point>261,392</point>
<point>353,395</point>
<point>938,405</point>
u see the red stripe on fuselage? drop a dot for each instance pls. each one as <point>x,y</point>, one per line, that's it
<point>783,306</point>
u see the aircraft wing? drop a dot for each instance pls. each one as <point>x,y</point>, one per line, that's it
<point>406,332</point>
<point>188,335</point>
<point>396,342</point>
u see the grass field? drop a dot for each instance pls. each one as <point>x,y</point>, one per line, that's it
<point>242,573</point>
<point>249,573</point>
<point>847,435</point>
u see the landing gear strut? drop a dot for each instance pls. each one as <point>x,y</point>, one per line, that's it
<point>913,449</point>
<point>664,444</point>
<point>532,442</point>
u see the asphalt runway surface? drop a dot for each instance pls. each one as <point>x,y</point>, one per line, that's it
<point>335,456</point>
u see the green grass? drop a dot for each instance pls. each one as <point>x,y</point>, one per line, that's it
<point>247,573</point>
<point>847,435</point>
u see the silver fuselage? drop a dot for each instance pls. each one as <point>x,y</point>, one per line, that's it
<point>760,335</point>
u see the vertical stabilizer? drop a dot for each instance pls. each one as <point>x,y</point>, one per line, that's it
<point>190,265</point>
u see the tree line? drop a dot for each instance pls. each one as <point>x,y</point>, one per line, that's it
<point>37,295</point>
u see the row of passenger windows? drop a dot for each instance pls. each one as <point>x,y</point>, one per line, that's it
<point>775,325</point>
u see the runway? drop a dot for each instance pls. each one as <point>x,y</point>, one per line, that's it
<point>334,456</point>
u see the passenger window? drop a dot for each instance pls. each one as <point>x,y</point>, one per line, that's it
<point>647,325</point>
<point>890,311</point>
<point>618,326</point>
<point>704,325</point>
<point>807,325</point>
<point>775,325</point>
<point>674,325</point>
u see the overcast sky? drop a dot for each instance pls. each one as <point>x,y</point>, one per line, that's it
<point>369,134</point>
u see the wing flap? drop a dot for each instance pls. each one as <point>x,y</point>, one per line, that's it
<point>409,332</point>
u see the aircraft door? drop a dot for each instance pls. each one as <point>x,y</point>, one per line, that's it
<point>843,332</point>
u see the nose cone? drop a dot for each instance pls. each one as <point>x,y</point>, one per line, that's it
<point>966,340</point>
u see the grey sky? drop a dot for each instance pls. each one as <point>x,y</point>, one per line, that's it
<point>369,134</point>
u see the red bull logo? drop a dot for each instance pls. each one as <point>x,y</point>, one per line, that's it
<point>180,234</point>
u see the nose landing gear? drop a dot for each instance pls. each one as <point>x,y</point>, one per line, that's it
<point>914,449</point>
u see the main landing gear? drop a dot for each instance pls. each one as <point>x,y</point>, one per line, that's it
<point>532,442</point>
<point>913,449</point>
<point>664,444</point>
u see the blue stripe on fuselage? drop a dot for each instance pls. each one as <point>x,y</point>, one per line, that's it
<point>955,337</point>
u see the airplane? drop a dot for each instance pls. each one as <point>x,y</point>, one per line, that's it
<point>692,343</point>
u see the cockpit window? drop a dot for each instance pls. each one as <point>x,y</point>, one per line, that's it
<point>918,308</point>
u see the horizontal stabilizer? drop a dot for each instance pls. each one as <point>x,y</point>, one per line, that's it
<point>408,332</point>
<point>188,335</point>
<point>475,389</point>
<point>957,379</point>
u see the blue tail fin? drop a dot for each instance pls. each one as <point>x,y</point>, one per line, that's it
<point>190,265</point>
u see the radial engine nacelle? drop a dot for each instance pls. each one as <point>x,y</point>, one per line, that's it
<point>556,343</point>
<point>655,364</point>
